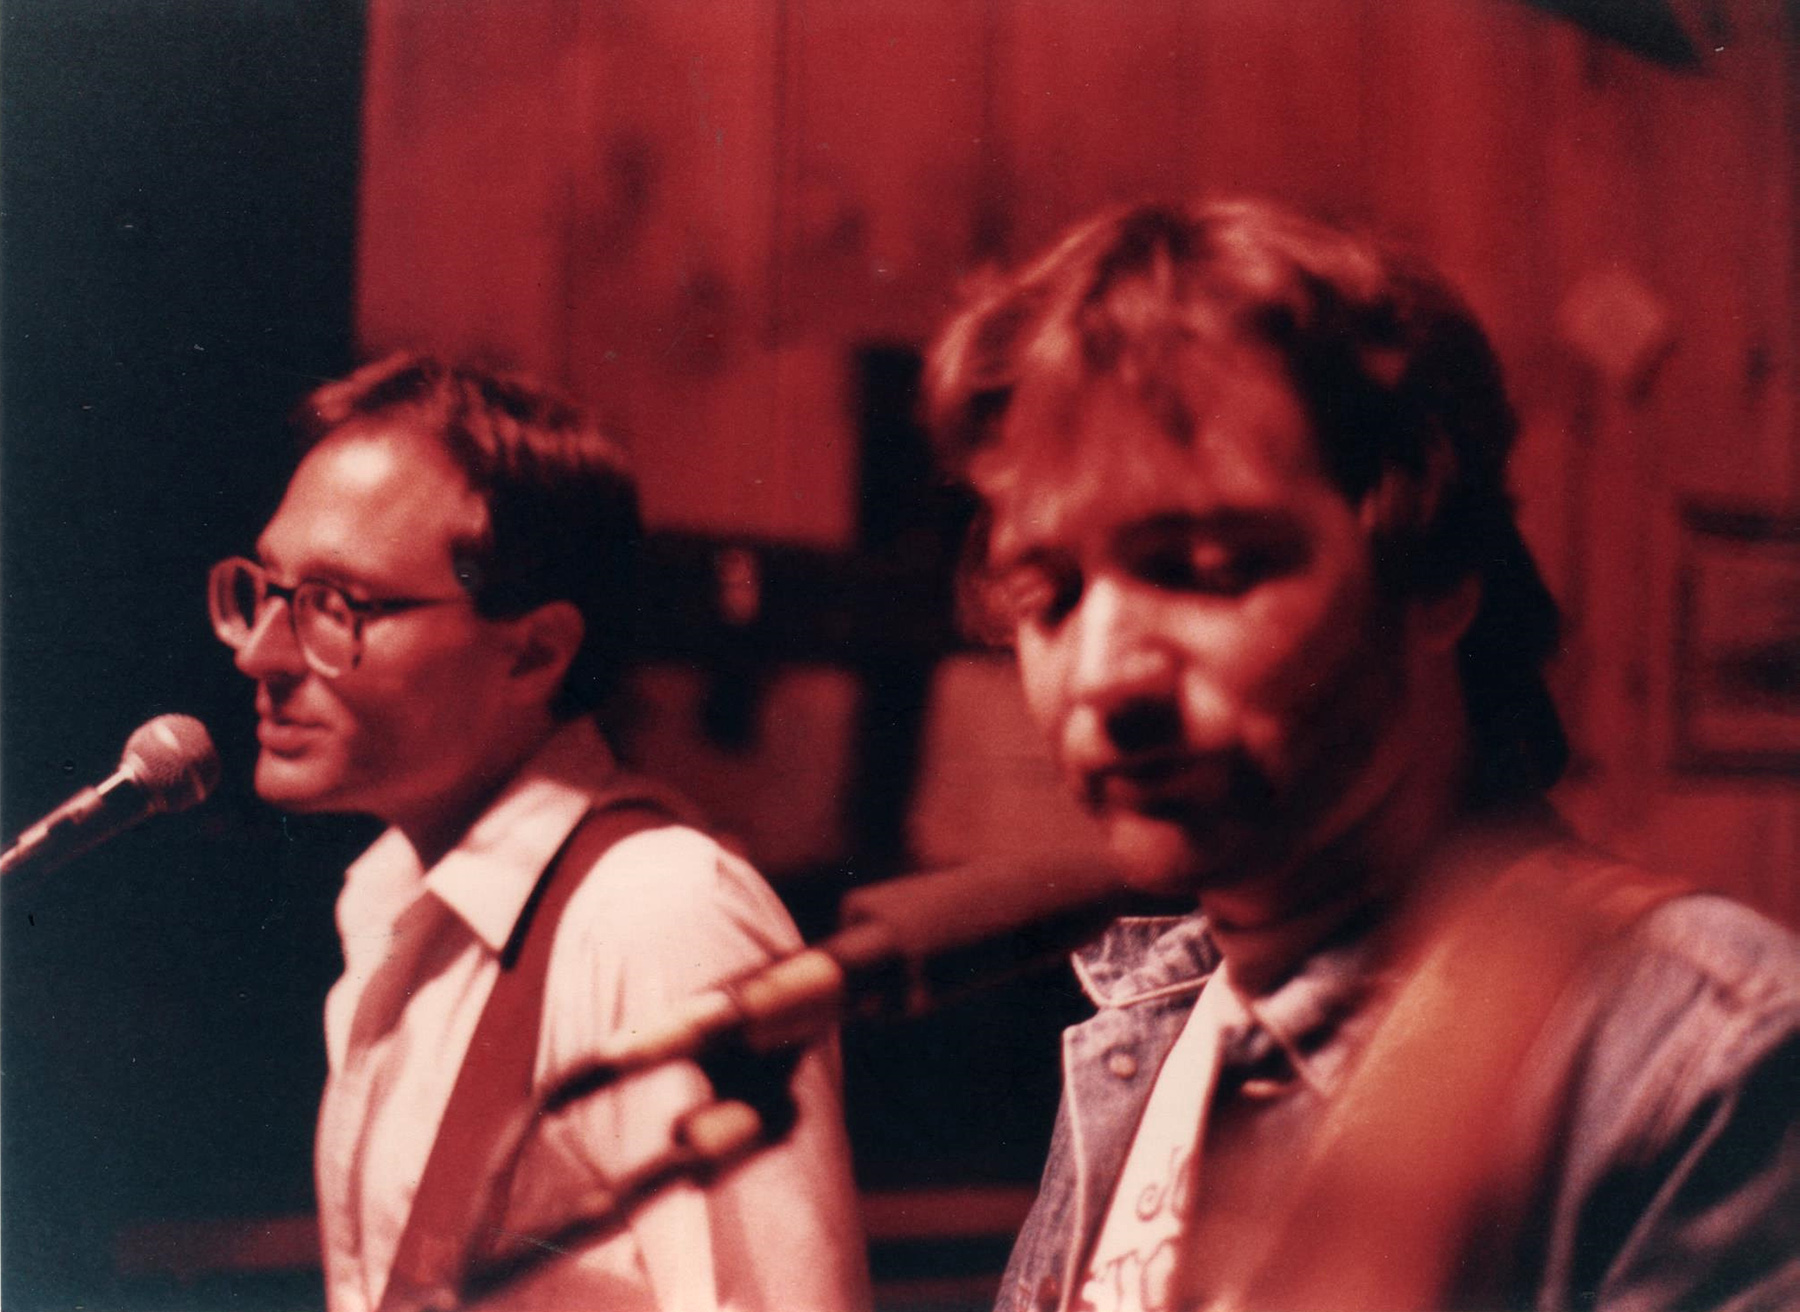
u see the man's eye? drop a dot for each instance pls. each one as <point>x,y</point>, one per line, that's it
<point>1035,596</point>
<point>1208,567</point>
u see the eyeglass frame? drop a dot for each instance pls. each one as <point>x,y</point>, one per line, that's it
<point>362,609</point>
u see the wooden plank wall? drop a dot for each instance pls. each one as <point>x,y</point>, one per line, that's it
<point>690,212</point>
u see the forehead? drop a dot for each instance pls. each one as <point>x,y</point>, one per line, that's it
<point>1241,442</point>
<point>377,505</point>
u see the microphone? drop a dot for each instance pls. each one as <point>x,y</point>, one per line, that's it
<point>168,765</point>
<point>906,946</point>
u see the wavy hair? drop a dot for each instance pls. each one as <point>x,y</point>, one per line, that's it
<point>1403,391</point>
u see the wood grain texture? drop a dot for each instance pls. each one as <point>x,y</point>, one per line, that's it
<point>691,213</point>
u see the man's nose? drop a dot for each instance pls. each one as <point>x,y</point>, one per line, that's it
<point>272,649</point>
<point>1124,670</point>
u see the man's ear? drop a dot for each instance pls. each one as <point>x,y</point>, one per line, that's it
<point>1441,621</point>
<point>545,640</point>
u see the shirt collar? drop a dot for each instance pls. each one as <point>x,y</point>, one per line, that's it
<point>488,876</point>
<point>1320,1003</point>
<point>1139,959</point>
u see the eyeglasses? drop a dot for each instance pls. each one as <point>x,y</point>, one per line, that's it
<point>327,621</point>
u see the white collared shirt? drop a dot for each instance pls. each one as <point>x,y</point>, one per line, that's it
<point>664,914</point>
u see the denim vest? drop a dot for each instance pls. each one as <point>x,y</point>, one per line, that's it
<point>1144,975</point>
<point>1673,1178</point>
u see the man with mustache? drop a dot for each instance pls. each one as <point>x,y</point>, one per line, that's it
<point>434,612</point>
<point>1245,524</point>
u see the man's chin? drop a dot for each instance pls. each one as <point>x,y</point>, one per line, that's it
<point>292,785</point>
<point>1163,858</point>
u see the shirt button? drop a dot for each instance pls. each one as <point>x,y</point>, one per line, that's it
<point>1121,1063</point>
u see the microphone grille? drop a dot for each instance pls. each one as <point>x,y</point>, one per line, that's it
<point>173,760</point>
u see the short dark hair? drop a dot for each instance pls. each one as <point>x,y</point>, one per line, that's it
<point>1404,393</point>
<point>562,504</point>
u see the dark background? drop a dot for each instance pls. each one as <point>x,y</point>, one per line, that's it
<point>179,195</point>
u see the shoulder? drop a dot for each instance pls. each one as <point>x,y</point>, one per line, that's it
<point>671,905</point>
<point>1734,948</point>
<point>1709,954</point>
<point>1680,1146</point>
<point>1656,951</point>
<point>1695,1006</point>
<point>1706,970</point>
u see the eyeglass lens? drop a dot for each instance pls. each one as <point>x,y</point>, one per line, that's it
<point>322,624</point>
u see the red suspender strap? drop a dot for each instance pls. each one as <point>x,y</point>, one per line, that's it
<point>496,1077</point>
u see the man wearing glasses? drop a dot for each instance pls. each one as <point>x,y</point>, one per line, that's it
<point>434,611</point>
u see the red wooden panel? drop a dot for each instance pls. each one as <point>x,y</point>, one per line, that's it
<point>884,147</point>
<point>466,160</point>
<point>694,211</point>
<point>1096,104</point>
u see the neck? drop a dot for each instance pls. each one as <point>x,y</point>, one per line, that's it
<point>437,827</point>
<point>1363,865</point>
